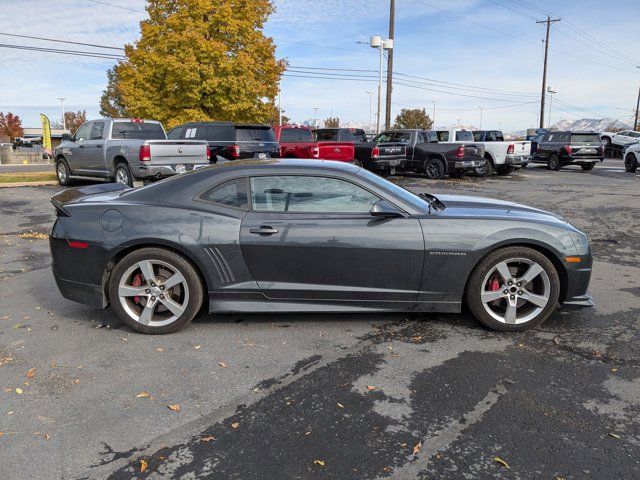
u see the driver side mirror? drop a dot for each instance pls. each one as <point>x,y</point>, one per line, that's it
<point>382,208</point>
<point>66,137</point>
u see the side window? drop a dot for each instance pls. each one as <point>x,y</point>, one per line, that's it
<point>402,137</point>
<point>83,131</point>
<point>634,134</point>
<point>174,133</point>
<point>230,194</point>
<point>191,132</point>
<point>96,131</point>
<point>383,137</point>
<point>443,136</point>
<point>624,133</point>
<point>309,194</point>
<point>549,137</point>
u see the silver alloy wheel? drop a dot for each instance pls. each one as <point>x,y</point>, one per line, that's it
<point>122,176</point>
<point>62,172</point>
<point>522,293</point>
<point>153,292</point>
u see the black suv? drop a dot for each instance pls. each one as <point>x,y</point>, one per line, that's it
<point>230,141</point>
<point>558,149</point>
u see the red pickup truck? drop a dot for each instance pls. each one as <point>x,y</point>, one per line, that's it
<point>297,142</point>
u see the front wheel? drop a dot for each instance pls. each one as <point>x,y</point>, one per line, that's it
<point>587,167</point>
<point>630,162</point>
<point>63,173</point>
<point>505,170</point>
<point>155,291</point>
<point>513,289</point>
<point>434,168</point>
<point>554,163</point>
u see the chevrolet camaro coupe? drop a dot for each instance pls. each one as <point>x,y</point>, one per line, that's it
<point>310,236</point>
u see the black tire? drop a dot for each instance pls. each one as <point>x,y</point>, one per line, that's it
<point>434,168</point>
<point>122,174</point>
<point>63,172</point>
<point>630,163</point>
<point>587,167</point>
<point>554,163</point>
<point>487,169</point>
<point>475,288</point>
<point>192,294</point>
<point>505,170</point>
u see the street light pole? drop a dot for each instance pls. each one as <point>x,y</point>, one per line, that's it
<point>370,111</point>
<point>635,123</point>
<point>480,117</point>
<point>64,123</point>
<point>377,42</point>
<point>434,114</point>
<point>315,117</point>
<point>387,117</point>
<point>551,91</point>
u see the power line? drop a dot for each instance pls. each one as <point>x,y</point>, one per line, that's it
<point>65,52</point>
<point>117,6</point>
<point>61,41</point>
<point>467,109</point>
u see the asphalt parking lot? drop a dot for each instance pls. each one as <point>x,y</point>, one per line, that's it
<point>329,396</point>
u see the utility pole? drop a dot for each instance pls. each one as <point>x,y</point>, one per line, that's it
<point>433,120</point>
<point>315,117</point>
<point>481,108</point>
<point>64,123</point>
<point>548,21</point>
<point>370,111</point>
<point>392,14</point>
<point>635,124</point>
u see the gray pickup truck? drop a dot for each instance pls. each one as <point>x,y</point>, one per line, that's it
<point>125,149</point>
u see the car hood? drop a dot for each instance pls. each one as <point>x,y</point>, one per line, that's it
<point>468,206</point>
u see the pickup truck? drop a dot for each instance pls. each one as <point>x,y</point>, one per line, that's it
<point>230,141</point>
<point>615,142</point>
<point>415,150</point>
<point>298,142</point>
<point>500,157</point>
<point>123,150</point>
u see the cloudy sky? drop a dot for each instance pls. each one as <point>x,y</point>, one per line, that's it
<point>459,54</point>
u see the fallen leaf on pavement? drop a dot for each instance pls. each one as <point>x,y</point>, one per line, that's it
<point>159,349</point>
<point>143,465</point>
<point>340,405</point>
<point>501,461</point>
<point>207,439</point>
<point>235,425</point>
<point>143,395</point>
<point>614,369</point>
<point>175,408</point>
<point>614,435</point>
<point>370,387</point>
<point>198,347</point>
<point>416,338</point>
<point>319,462</point>
<point>47,436</point>
<point>417,447</point>
<point>222,364</point>
<point>31,373</point>
<point>19,391</point>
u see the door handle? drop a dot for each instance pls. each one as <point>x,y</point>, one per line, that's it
<point>99,145</point>
<point>263,230</point>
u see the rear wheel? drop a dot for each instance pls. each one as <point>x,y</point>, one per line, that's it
<point>554,163</point>
<point>630,162</point>
<point>588,166</point>
<point>505,170</point>
<point>123,174</point>
<point>513,289</point>
<point>486,169</point>
<point>434,168</point>
<point>155,291</point>
<point>63,173</point>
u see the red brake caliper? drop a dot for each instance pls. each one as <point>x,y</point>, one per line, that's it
<point>137,281</point>
<point>494,283</point>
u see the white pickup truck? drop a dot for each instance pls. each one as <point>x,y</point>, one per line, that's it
<point>500,157</point>
<point>125,149</point>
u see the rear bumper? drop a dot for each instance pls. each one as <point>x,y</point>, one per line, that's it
<point>516,160</point>
<point>467,164</point>
<point>383,164</point>
<point>87,294</point>
<point>160,171</point>
<point>580,160</point>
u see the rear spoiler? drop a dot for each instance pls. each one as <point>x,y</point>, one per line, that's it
<point>70,195</point>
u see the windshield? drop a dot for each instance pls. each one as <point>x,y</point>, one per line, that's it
<point>138,131</point>
<point>409,197</point>
<point>255,134</point>
<point>585,138</point>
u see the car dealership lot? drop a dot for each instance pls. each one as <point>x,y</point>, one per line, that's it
<point>333,395</point>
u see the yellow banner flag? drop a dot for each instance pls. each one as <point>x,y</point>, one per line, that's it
<point>46,134</point>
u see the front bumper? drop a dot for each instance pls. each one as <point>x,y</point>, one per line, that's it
<point>579,302</point>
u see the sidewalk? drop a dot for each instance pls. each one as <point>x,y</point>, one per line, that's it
<point>31,167</point>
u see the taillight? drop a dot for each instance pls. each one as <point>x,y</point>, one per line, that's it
<point>77,244</point>
<point>314,152</point>
<point>460,152</point>
<point>235,151</point>
<point>145,153</point>
<point>511,149</point>
<point>567,148</point>
<point>208,153</point>
<point>375,153</point>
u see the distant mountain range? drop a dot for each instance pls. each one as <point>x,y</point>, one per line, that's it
<point>592,124</point>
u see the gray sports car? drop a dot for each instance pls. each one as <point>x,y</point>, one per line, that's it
<point>309,236</point>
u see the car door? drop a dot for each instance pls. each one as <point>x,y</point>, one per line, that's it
<point>75,152</point>
<point>313,238</point>
<point>94,159</point>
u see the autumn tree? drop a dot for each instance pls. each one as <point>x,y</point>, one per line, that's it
<point>73,120</point>
<point>198,60</point>
<point>111,103</point>
<point>332,122</point>
<point>413,118</point>
<point>11,125</point>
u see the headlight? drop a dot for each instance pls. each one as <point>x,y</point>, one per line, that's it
<point>581,241</point>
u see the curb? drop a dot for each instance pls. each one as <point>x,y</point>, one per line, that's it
<point>45,183</point>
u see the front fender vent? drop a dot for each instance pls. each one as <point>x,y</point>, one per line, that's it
<point>221,265</point>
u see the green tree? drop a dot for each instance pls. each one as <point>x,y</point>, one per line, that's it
<point>11,126</point>
<point>332,122</point>
<point>199,60</point>
<point>413,118</point>
<point>111,103</point>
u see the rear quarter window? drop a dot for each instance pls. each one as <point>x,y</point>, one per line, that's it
<point>218,133</point>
